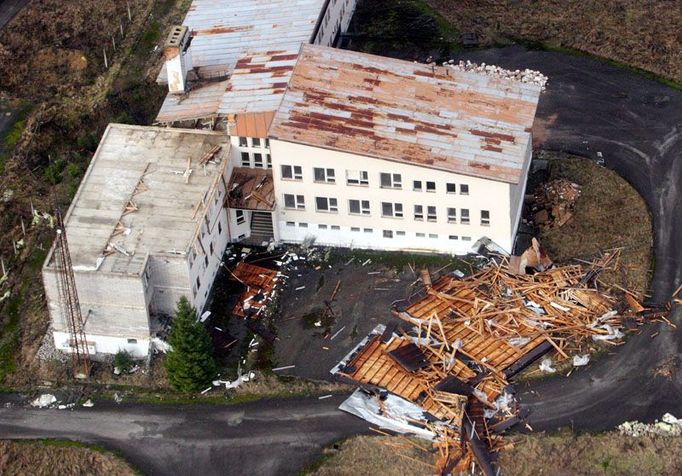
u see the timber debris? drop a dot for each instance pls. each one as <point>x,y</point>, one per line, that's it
<point>458,342</point>
<point>555,202</point>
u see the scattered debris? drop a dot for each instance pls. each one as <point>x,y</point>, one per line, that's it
<point>276,369</point>
<point>260,284</point>
<point>546,366</point>
<point>88,403</point>
<point>668,426</point>
<point>526,76</point>
<point>117,398</point>
<point>555,202</point>
<point>581,360</point>
<point>44,401</point>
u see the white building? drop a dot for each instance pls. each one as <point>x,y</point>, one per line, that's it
<point>379,153</point>
<point>146,227</point>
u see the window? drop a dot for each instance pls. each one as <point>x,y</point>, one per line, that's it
<point>388,234</point>
<point>255,142</point>
<point>358,207</point>
<point>303,225</point>
<point>392,210</point>
<point>466,238</point>
<point>291,223</point>
<point>417,186</point>
<point>485,217</point>
<point>220,228</point>
<point>336,227</point>
<point>430,186</point>
<point>246,160</point>
<point>453,237</point>
<point>205,261</point>
<point>368,230</point>
<point>294,201</point>
<point>433,235</point>
<point>391,180</point>
<point>258,160</point>
<point>292,172</point>
<point>463,189</point>
<point>356,229</point>
<point>268,160</point>
<point>267,142</point>
<point>198,283</point>
<point>322,227</point>
<point>243,142</point>
<point>400,233</point>
<point>451,188</point>
<point>324,204</point>
<point>421,235</point>
<point>464,216</point>
<point>431,213</point>
<point>357,177</point>
<point>210,247</point>
<point>132,341</point>
<point>241,217</point>
<point>324,175</point>
<point>452,215</point>
<point>418,212</point>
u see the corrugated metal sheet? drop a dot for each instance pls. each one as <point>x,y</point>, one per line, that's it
<point>252,124</point>
<point>224,30</point>
<point>462,122</point>
<point>202,101</point>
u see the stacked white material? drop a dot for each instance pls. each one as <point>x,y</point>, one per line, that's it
<point>526,76</point>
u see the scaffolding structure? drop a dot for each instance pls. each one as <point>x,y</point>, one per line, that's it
<point>70,306</point>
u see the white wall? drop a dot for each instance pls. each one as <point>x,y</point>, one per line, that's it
<point>103,344</point>
<point>517,191</point>
<point>336,19</point>
<point>483,195</point>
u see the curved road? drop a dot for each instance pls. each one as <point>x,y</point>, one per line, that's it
<point>588,107</point>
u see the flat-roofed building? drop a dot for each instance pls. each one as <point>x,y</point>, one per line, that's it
<point>380,153</point>
<point>146,227</point>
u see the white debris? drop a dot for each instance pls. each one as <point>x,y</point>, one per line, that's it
<point>612,333</point>
<point>205,391</point>
<point>546,366</point>
<point>581,360</point>
<point>205,316</point>
<point>88,403</point>
<point>458,273</point>
<point>323,397</point>
<point>669,426</point>
<point>117,398</point>
<point>160,345</point>
<point>318,324</point>
<point>45,400</point>
<point>518,341</point>
<point>526,76</point>
<point>117,371</point>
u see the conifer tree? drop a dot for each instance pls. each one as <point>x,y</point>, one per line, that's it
<point>190,364</point>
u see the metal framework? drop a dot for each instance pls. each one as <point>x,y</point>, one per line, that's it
<point>70,305</point>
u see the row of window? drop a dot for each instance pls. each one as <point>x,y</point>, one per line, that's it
<point>253,142</point>
<point>256,159</point>
<point>388,209</point>
<point>361,177</point>
<point>385,233</point>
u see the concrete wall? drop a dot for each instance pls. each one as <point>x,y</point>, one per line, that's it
<point>517,191</point>
<point>168,280</point>
<point>423,235</point>
<point>335,20</point>
<point>236,151</point>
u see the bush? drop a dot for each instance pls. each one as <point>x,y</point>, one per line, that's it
<point>124,361</point>
<point>190,364</point>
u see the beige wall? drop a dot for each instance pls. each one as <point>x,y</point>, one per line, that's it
<point>483,195</point>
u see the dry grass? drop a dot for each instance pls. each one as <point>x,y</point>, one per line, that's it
<point>375,456</point>
<point>646,35</point>
<point>58,457</point>
<point>604,217</point>
<point>273,386</point>
<point>604,454</point>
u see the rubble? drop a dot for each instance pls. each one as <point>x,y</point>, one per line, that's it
<point>668,426</point>
<point>44,401</point>
<point>554,203</point>
<point>526,76</point>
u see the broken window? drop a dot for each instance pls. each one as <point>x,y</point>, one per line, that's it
<point>452,215</point>
<point>464,216</point>
<point>431,213</point>
<point>357,177</point>
<point>485,217</point>
<point>417,185</point>
<point>418,212</point>
<point>464,189</point>
<point>324,175</point>
<point>430,186</point>
<point>241,217</point>
<point>325,204</point>
<point>392,210</point>
<point>391,180</point>
<point>294,201</point>
<point>246,159</point>
<point>358,207</point>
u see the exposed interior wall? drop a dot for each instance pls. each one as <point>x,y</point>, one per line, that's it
<point>335,20</point>
<point>168,280</point>
<point>367,231</point>
<point>517,192</point>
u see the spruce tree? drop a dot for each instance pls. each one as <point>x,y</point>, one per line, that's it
<point>190,364</point>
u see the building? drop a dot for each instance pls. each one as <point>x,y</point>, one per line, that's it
<point>146,227</point>
<point>379,153</point>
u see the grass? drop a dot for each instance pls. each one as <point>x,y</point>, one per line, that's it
<point>11,136</point>
<point>51,456</point>
<point>603,219</point>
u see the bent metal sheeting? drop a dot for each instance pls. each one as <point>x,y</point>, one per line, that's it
<point>420,114</point>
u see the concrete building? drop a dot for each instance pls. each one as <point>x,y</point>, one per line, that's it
<point>380,153</point>
<point>146,227</point>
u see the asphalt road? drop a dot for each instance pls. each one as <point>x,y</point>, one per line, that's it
<point>9,8</point>
<point>589,107</point>
<point>266,437</point>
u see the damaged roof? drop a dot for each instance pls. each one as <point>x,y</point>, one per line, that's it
<point>224,30</point>
<point>458,121</point>
<point>136,196</point>
<point>251,189</point>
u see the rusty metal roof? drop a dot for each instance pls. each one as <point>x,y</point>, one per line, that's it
<point>224,30</point>
<point>426,115</point>
<point>251,124</point>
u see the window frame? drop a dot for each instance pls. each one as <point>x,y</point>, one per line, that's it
<point>331,208</point>
<point>397,210</point>
<point>361,181</point>
<point>395,180</point>
<point>464,216</point>
<point>485,220</point>
<point>298,204</point>
<point>362,209</point>
<point>419,215</point>
<point>328,175</point>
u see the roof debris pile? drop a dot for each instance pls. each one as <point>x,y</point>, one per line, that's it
<point>260,285</point>
<point>459,341</point>
<point>526,76</point>
<point>555,202</point>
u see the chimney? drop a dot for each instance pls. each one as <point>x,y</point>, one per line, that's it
<point>178,58</point>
